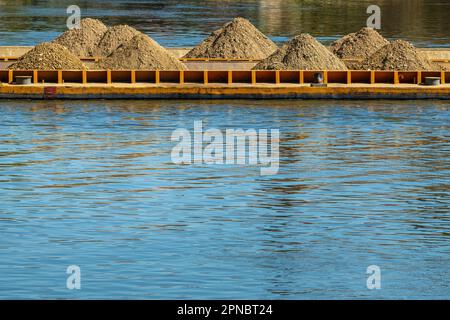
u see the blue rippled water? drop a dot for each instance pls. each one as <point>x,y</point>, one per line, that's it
<point>92,184</point>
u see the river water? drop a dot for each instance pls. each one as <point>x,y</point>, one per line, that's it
<point>92,184</point>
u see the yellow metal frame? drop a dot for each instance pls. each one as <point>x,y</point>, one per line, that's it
<point>228,77</point>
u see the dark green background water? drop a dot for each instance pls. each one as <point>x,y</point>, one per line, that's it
<point>185,23</point>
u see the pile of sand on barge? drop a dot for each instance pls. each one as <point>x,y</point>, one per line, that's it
<point>358,45</point>
<point>113,38</point>
<point>48,56</point>
<point>303,52</point>
<point>83,42</point>
<point>398,55</point>
<point>141,53</point>
<point>237,39</point>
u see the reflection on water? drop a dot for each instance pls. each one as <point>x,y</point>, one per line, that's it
<point>92,184</point>
<point>185,23</point>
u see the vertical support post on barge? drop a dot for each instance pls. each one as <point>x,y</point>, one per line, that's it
<point>230,77</point>
<point>396,79</point>
<point>372,77</point>
<point>84,76</point>
<point>133,76</point>
<point>60,77</point>
<point>181,77</point>
<point>205,77</point>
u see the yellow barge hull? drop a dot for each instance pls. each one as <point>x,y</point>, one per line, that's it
<point>353,91</point>
<point>106,84</point>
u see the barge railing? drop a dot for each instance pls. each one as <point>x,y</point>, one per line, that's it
<point>228,77</point>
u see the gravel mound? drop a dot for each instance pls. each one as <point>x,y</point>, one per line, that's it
<point>113,38</point>
<point>359,45</point>
<point>237,39</point>
<point>48,56</point>
<point>302,53</point>
<point>83,42</point>
<point>141,53</point>
<point>398,55</point>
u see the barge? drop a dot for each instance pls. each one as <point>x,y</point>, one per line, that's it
<point>221,79</point>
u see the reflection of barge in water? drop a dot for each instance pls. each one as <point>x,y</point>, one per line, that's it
<point>220,78</point>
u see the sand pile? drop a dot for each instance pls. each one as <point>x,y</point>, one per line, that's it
<point>48,56</point>
<point>83,42</point>
<point>141,53</point>
<point>398,55</point>
<point>113,38</point>
<point>302,53</point>
<point>237,39</point>
<point>358,45</point>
